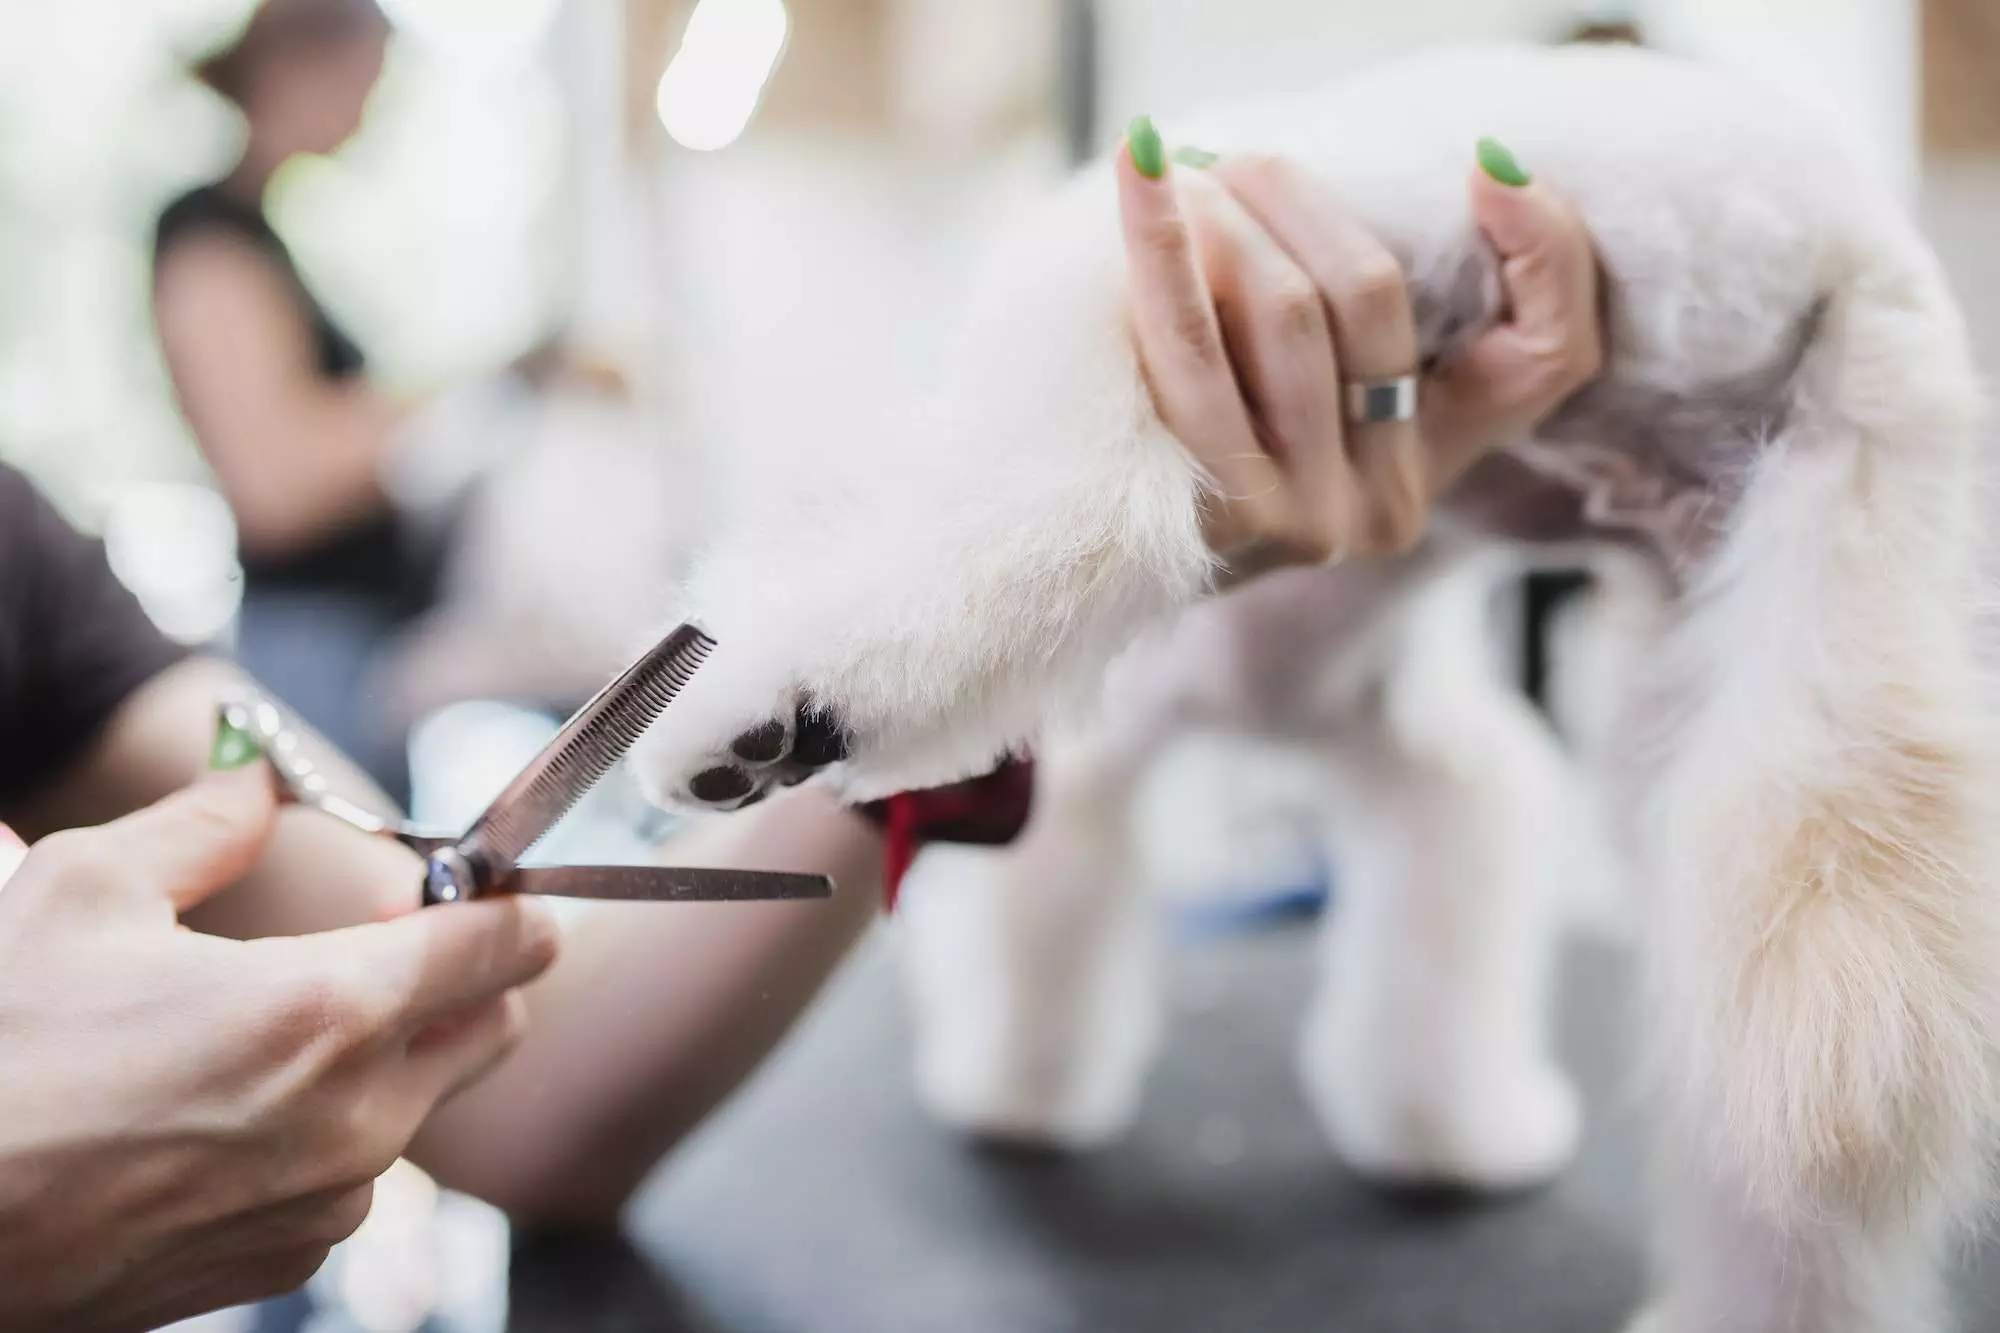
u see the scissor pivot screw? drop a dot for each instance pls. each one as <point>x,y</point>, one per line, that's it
<point>447,878</point>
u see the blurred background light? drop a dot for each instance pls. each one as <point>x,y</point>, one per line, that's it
<point>711,88</point>
<point>436,236</point>
<point>174,546</point>
<point>495,34</point>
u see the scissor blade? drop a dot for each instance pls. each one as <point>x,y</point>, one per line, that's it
<point>582,752</point>
<point>663,884</point>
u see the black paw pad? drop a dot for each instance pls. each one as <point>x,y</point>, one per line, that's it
<point>717,785</point>
<point>821,740</point>
<point>763,745</point>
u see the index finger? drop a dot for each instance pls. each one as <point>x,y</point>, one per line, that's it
<point>1173,312</point>
<point>1180,337</point>
<point>436,964</point>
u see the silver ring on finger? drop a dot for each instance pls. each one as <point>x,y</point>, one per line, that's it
<point>1380,402</point>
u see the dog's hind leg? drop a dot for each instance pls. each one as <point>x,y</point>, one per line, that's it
<point>1427,1049</point>
<point>1825,920</point>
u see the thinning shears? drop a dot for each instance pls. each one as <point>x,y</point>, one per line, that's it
<point>485,859</point>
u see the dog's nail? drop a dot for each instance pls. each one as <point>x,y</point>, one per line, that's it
<point>820,741</point>
<point>1198,158</point>
<point>1497,161</point>
<point>762,745</point>
<point>715,785</point>
<point>1149,154</point>
<point>792,777</point>
<point>753,798</point>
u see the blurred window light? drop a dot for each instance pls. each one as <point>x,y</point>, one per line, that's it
<point>429,237</point>
<point>711,89</point>
<point>174,546</point>
<point>494,34</point>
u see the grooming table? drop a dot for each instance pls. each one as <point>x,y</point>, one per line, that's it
<point>824,1201</point>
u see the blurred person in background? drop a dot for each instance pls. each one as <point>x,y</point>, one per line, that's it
<point>277,397</point>
<point>275,392</point>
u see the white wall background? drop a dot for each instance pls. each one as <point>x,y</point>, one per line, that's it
<point>1167,56</point>
<point>1857,59</point>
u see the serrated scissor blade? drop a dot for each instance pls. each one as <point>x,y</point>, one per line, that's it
<point>594,739</point>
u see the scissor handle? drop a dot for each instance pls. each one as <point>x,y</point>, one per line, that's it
<point>303,784</point>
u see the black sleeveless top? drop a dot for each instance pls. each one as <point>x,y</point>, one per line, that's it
<point>367,557</point>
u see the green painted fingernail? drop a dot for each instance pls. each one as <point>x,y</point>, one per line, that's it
<point>1149,155</point>
<point>234,747</point>
<point>1199,158</point>
<point>1499,163</point>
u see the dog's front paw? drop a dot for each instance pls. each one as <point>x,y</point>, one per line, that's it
<point>746,723</point>
<point>784,750</point>
<point>906,658</point>
<point>772,708</point>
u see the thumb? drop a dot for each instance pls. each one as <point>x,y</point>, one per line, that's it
<point>1517,215</point>
<point>1547,265</point>
<point>1550,343</point>
<point>200,840</point>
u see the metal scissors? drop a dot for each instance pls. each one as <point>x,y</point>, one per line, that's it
<point>485,859</point>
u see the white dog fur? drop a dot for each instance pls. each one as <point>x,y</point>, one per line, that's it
<point>1788,418</point>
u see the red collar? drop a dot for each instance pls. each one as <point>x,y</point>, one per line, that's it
<point>988,811</point>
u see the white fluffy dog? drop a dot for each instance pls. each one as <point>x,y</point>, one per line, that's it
<point>1787,420</point>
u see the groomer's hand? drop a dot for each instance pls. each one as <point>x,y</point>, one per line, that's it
<point>1256,297</point>
<point>188,1123</point>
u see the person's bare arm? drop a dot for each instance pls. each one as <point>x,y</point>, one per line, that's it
<point>648,1021</point>
<point>297,455</point>
<point>315,875</point>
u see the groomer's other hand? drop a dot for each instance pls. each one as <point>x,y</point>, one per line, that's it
<point>189,1123</point>
<point>1255,295</point>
